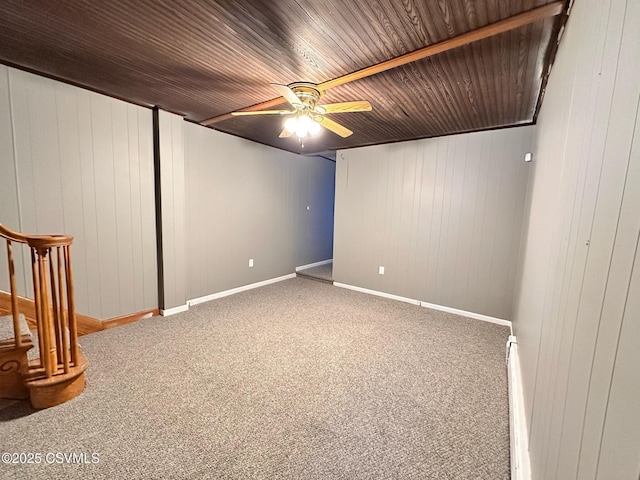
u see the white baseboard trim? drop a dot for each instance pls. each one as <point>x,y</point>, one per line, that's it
<point>377,293</point>
<point>311,265</point>
<point>464,313</point>
<point>174,310</point>
<point>520,461</point>
<point>226,293</point>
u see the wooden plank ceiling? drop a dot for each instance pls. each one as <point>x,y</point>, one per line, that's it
<point>202,59</point>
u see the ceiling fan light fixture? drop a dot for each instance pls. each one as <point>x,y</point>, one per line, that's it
<point>314,128</point>
<point>302,125</point>
<point>302,131</point>
<point>304,120</point>
<point>291,124</point>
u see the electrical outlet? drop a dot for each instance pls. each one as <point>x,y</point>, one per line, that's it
<point>380,270</point>
<point>251,262</point>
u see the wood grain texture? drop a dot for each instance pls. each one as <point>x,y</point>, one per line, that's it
<point>85,324</point>
<point>49,392</point>
<point>26,306</point>
<point>475,35</point>
<point>202,60</point>
<point>130,318</point>
<point>13,361</point>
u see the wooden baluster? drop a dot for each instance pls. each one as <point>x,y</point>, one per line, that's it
<point>59,375</point>
<point>63,320</point>
<point>55,313</point>
<point>49,354</point>
<point>73,331</point>
<point>14,298</point>
<point>36,296</point>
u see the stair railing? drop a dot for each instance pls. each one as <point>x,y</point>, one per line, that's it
<point>53,299</point>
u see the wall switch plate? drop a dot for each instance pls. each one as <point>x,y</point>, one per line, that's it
<point>381,270</point>
<point>251,262</point>
<point>528,157</point>
<point>308,207</point>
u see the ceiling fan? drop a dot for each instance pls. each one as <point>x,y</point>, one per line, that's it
<point>303,97</point>
<point>308,117</point>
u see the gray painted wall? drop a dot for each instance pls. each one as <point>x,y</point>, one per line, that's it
<point>443,216</point>
<point>245,200</point>
<point>9,206</point>
<point>172,181</point>
<point>79,163</point>
<point>82,164</point>
<point>577,312</point>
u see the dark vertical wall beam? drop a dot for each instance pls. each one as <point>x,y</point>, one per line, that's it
<point>158,195</point>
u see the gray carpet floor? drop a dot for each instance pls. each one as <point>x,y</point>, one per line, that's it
<point>321,272</point>
<point>295,380</point>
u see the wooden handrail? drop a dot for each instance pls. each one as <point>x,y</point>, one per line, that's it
<point>35,240</point>
<point>11,235</point>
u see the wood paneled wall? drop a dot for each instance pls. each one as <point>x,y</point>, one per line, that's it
<point>9,204</point>
<point>577,311</point>
<point>80,163</point>
<point>443,216</point>
<point>172,183</point>
<point>245,200</point>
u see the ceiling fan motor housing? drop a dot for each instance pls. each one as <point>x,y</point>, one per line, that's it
<point>307,93</point>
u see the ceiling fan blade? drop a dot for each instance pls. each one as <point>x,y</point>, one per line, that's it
<point>359,106</point>
<point>335,127</point>
<point>285,133</point>
<point>262,112</point>
<point>288,94</point>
